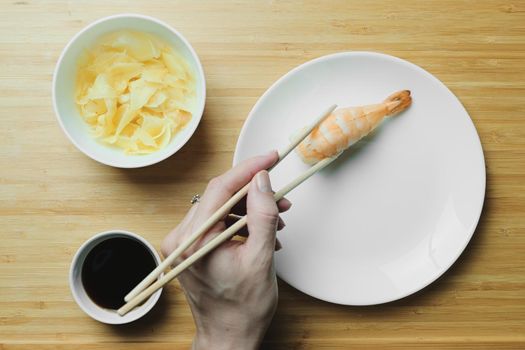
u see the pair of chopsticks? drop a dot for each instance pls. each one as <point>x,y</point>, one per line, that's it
<point>146,288</point>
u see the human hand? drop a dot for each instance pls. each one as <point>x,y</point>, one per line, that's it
<point>232,292</point>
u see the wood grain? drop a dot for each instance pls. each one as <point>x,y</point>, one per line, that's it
<point>52,197</point>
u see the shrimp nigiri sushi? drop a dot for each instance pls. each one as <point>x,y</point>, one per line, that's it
<point>346,126</point>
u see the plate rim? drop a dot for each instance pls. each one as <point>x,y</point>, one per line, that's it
<point>262,99</point>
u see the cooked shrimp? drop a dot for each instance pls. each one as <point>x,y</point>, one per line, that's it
<point>346,126</point>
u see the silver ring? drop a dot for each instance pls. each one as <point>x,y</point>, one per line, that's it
<point>195,199</point>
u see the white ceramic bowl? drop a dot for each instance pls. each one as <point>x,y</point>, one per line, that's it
<point>64,86</point>
<point>80,295</point>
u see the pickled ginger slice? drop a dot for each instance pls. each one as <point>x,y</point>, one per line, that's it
<point>140,92</point>
<point>157,99</point>
<point>139,45</point>
<point>120,74</point>
<point>135,91</point>
<point>101,88</point>
<point>154,74</point>
<point>175,65</point>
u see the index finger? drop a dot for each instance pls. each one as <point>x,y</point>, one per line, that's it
<point>223,187</point>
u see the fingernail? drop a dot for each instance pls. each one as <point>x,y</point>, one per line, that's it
<point>278,245</point>
<point>263,182</point>
<point>286,202</point>
<point>271,152</point>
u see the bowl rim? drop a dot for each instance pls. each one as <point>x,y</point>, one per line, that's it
<point>200,71</point>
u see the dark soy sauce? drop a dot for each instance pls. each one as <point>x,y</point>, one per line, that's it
<point>113,267</point>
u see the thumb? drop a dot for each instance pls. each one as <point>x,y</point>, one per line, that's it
<point>263,215</point>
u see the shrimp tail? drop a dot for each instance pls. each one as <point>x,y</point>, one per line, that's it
<point>398,102</point>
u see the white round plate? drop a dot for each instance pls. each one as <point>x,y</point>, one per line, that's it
<point>397,209</point>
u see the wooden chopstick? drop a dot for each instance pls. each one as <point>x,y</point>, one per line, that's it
<point>220,213</point>
<point>218,240</point>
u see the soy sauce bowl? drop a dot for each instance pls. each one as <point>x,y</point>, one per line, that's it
<point>101,314</point>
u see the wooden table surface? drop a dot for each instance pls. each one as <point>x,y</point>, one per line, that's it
<point>52,197</point>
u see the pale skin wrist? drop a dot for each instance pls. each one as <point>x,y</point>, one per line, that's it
<point>232,331</point>
<point>228,339</point>
<point>230,325</point>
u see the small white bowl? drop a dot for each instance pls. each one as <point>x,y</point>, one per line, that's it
<point>64,78</point>
<point>80,295</point>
